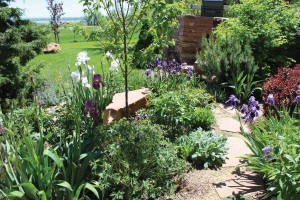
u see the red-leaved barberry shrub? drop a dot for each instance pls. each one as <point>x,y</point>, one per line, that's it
<point>283,86</point>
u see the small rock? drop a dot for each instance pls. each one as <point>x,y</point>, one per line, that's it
<point>52,48</point>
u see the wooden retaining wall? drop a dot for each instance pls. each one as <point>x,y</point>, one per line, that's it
<point>189,34</point>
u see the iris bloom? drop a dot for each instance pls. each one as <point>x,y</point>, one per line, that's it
<point>108,54</point>
<point>90,108</point>
<point>250,110</point>
<point>89,69</point>
<point>82,58</point>
<point>270,100</point>
<point>97,80</point>
<point>189,75</point>
<point>267,149</point>
<point>233,101</point>
<point>76,75</point>
<point>267,157</point>
<point>85,82</point>
<point>148,72</point>
<point>114,65</point>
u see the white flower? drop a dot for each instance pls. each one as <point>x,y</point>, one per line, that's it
<point>82,58</point>
<point>114,65</point>
<point>76,75</point>
<point>89,69</point>
<point>85,82</point>
<point>108,54</point>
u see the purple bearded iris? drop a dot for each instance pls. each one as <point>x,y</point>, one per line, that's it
<point>97,80</point>
<point>148,72</point>
<point>233,100</point>
<point>270,100</point>
<point>90,108</point>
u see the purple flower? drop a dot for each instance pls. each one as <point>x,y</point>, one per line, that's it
<point>190,73</point>
<point>250,110</point>
<point>297,98</point>
<point>174,71</point>
<point>148,72</point>
<point>267,157</point>
<point>253,112</point>
<point>97,80</point>
<point>270,100</point>
<point>244,109</point>
<point>165,65</point>
<point>233,100</point>
<point>156,61</point>
<point>267,149</point>
<point>90,108</point>
<point>253,103</point>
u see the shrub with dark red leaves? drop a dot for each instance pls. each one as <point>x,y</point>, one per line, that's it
<point>283,86</point>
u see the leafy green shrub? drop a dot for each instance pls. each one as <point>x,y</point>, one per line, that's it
<point>203,149</point>
<point>137,162</point>
<point>174,110</point>
<point>283,86</point>
<point>275,153</point>
<point>201,117</point>
<point>267,25</point>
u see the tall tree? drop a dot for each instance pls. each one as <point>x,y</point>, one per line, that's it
<point>56,11</point>
<point>20,41</point>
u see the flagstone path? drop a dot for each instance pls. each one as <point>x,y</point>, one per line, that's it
<point>230,179</point>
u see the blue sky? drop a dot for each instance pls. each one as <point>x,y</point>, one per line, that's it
<point>38,8</point>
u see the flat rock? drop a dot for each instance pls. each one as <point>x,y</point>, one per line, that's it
<point>230,124</point>
<point>245,183</point>
<point>137,99</point>
<point>236,148</point>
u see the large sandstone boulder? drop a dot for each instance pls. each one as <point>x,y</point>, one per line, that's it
<point>52,48</point>
<point>137,99</point>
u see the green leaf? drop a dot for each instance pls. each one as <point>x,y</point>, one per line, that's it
<point>30,190</point>
<point>92,189</point>
<point>66,185</point>
<point>16,194</point>
<point>54,157</point>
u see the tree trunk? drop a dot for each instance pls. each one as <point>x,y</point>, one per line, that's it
<point>126,69</point>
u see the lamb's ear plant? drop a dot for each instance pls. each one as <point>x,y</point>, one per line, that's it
<point>204,149</point>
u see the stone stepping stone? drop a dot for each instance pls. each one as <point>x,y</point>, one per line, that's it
<point>245,183</point>
<point>236,148</point>
<point>137,99</point>
<point>229,124</point>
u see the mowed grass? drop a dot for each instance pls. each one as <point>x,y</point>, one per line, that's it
<point>57,64</point>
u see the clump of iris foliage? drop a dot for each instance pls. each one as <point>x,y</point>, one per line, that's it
<point>65,152</point>
<point>274,143</point>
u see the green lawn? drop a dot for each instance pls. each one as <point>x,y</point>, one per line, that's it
<point>57,64</point>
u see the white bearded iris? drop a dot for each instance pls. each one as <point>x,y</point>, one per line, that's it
<point>114,65</point>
